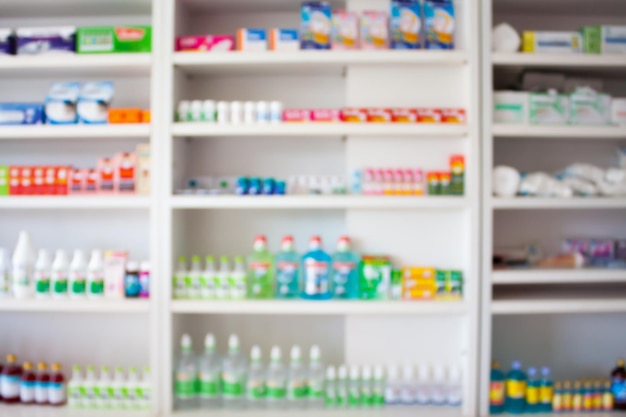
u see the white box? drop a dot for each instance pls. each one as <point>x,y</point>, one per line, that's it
<point>252,40</point>
<point>618,111</point>
<point>284,40</point>
<point>510,107</point>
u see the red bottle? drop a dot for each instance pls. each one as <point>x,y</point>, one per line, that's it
<point>56,390</point>
<point>42,385</point>
<point>27,384</point>
<point>11,375</point>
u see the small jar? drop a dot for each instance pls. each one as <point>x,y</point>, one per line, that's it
<point>276,112</point>
<point>182,114</point>
<point>262,112</point>
<point>223,112</point>
<point>236,112</point>
<point>208,111</point>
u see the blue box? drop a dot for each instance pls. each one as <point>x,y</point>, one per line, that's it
<point>21,114</point>
<point>406,24</point>
<point>316,25</point>
<point>41,41</point>
<point>61,103</point>
<point>439,24</point>
<point>6,42</point>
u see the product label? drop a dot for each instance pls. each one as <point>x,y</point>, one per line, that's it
<point>184,386</point>
<point>78,282</point>
<point>56,393</point>
<point>342,397</point>
<point>276,390</point>
<point>104,394</point>
<point>378,396</point>
<point>260,277</point>
<point>209,385</point>
<point>341,275</point>
<point>297,390</point>
<point>392,396</point>
<point>286,277</point>
<point>532,395</point>
<point>496,393</point>
<point>588,401</point>
<point>132,287</point>
<point>354,397</point>
<point>330,397</point>
<point>607,401</point>
<point>545,395</point>
<point>618,388</point>
<point>256,390</point>
<point>10,386</point>
<point>232,386</point>
<point>207,283</point>
<point>21,275</point>
<point>120,395</point>
<point>41,392</point>
<point>42,282</point>
<point>557,403</point>
<point>577,402</point>
<point>366,396</point>
<point>515,389</point>
<point>96,282</point>
<point>59,282</point>
<point>315,277</point>
<point>27,391</point>
<point>315,389</point>
<point>237,286</point>
<point>567,401</point>
<point>4,283</point>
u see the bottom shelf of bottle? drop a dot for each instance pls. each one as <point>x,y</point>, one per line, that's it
<point>387,411</point>
<point>20,410</point>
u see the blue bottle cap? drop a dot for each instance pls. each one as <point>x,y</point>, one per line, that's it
<point>516,365</point>
<point>545,371</point>
<point>532,371</point>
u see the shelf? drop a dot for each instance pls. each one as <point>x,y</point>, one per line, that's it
<point>85,132</point>
<point>317,202</point>
<point>69,202</point>
<point>559,132</point>
<point>559,60</point>
<point>558,203</point>
<point>319,129</point>
<point>66,8</point>
<point>75,306</point>
<point>312,307</point>
<point>585,8</point>
<point>307,62</point>
<point>393,411</point>
<point>556,306</point>
<point>555,276</point>
<point>48,411</point>
<point>97,65</point>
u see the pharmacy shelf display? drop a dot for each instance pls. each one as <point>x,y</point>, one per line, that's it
<point>528,290</point>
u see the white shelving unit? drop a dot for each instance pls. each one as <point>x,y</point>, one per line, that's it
<point>525,310</point>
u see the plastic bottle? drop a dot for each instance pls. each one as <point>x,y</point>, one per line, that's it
<point>588,396</point>
<point>234,375</point>
<point>608,402</point>
<point>132,286</point>
<point>184,391</point>
<point>366,386</point>
<point>237,280</point>
<point>568,397</point>
<point>618,385</point>
<point>22,267</point>
<point>120,390</point>
<point>577,397</point>
<point>146,389</point>
<point>209,375</point>
<point>315,382</point>
<point>75,389</point>
<point>223,279</point>
<point>27,384</point>
<point>10,381</point>
<point>393,386</point>
<point>496,389</point>
<point>345,280</point>
<point>287,269</point>
<point>597,395</point>
<point>354,387</point>
<point>532,392</point>
<point>91,393</point>
<point>439,396</point>
<point>208,279</point>
<point>378,386</point>
<point>515,402</point>
<point>342,387</point>
<point>144,279</point>
<point>41,384</point>
<point>330,387</point>
<point>546,391</point>
<point>180,285</point>
<point>276,381</point>
<point>56,390</point>
<point>132,390</point>
<point>104,390</point>
<point>316,271</point>
<point>261,270</point>
<point>42,274</point>
<point>255,386</point>
<point>77,275</point>
<point>296,380</point>
<point>5,281</point>
<point>423,391</point>
<point>557,398</point>
<point>193,282</point>
<point>95,275</point>
<point>455,387</point>
<point>60,267</point>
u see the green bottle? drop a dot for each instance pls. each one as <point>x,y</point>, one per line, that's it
<point>260,270</point>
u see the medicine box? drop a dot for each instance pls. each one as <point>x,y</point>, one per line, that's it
<point>6,42</point>
<point>588,107</point>
<point>345,30</point>
<point>406,24</point>
<point>94,101</point>
<point>125,168</point>
<point>511,107</point>
<point>316,25</point>
<point>548,109</point>
<point>418,283</point>
<point>374,277</point>
<point>252,40</point>
<point>4,180</point>
<point>61,103</point>
<point>21,114</point>
<point>205,43</point>
<point>439,24</point>
<point>551,42</point>
<point>374,30</point>
<point>618,111</point>
<point>284,40</point>
<point>113,39</point>
<point>142,174</point>
<point>45,41</point>
<point>604,39</point>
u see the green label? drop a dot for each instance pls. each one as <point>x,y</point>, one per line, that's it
<point>256,390</point>
<point>354,398</point>
<point>96,287</point>
<point>330,398</point>
<point>232,386</point>
<point>366,398</point>
<point>42,286</point>
<point>378,397</point>
<point>208,387</point>
<point>60,287</point>
<point>185,386</point>
<point>297,390</point>
<point>341,399</point>
<point>78,287</point>
<point>315,390</point>
<point>276,393</point>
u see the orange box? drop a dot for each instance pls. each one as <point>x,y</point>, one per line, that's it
<point>49,180</point>
<point>106,175</point>
<point>62,180</point>
<point>125,168</point>
<point>418,283</point>
<point>428,115</point>
<point>91,181</point>
<point>146,116</point>
<point>354,115</point>
<point>119,116</point>
<point>39,180</point>
<point>453,116</point>
<point>26,180</point>
<point>379,115</point>
<point>15,184</point>
<point>77,181</point>
<point>403,115</point>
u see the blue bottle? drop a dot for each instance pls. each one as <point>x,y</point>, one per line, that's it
<point>515,389</point>
<point>287,270</point>
<point>546,391</point>
<point>532,392</point>
<point>345,278</point>
<point>496,389</point>
<point>316,266</point>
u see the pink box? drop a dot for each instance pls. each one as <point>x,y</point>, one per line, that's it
<point>354,115</point>
<point>325,115</point>
<point>205,43</point>
<point>297,115</point>
<point>428,115</point>
<point>77,181</point>
<point>106,175</point>
<point>453,116</point>
<point>403,115</point>
<point>125,168</point>
<point>91,181</point>
<point>379,115</point>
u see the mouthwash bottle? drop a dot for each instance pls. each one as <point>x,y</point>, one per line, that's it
<point>588,396</point>
<point>233,376</point>
<point>557,398</point>
<point>545,391</point>
<point>515,402</point>
<point>180,285</point>
<point>209,375</point>
<point>608,402</point>
<point>255,386</point>
<point>261,270</point>
<point>330,387</point>
<point>185,377</point>
<point>287,269</point>
<point>296,380</point>
<point>276,381</point>
<point>341,400</point>
<point>532,392</point>
<point>222,290</point>
<point>577,397</point>
<point>237,282</point>
<point>315,382</point>
<point>316,270</point>
<point>618,385</point>
<point>496,389</point>
<point>366,386</point>
<point>192,281</point>
<point>354,387</point>
<point>208,279</point>
<point>568,396</point>
<point>345,276</point>
<point>378,387</point>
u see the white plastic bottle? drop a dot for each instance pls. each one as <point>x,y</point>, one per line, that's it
<point>234,375</point>
<point>296,381</point>
<point>180,278</point>
<point>238,283</point>
<point>22,267</point>
<point>393,386</point>
<point>378,386</point>
<point>146,389</point>
<point>194,288</point>
<point>120,393</point>
<point>95,275</point>
<point>366,386</point>
<point>407,392</point>
<point>42,274</point>
<point>455,386</point>
<point>208,279</point>
<point>354,387</point>
<point>276,381</point>
<point>5,281</point>
<point>132,390</point>
<point>90,388</point>
<point>330,387</point>
<point>75,389</point>
<point>342,387</point>
<point>315,380</point>
<point>104,388</point>
<point>60,267</point>
<point>223,279</point>
<point>439,385</point>
<point>185,376</point>
<point>209,375</point>
<point>255,386</point>
<point>78,275</point>
<point>423,393</point>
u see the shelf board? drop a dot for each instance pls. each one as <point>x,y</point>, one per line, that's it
<point>558,203</point>
<point>307,62</point>
<point>85,132</point>
<point>66,8</point>
<point>305,307</point>
<point>616,61</point>
<point>389,411</point>
<point>75,306</point>
<point>317,202</point>
<point>557,276</point>
<point>319,129</point>
<point>118,65</point>
<point>558,132</point>
<point>557,305</point>
<point>70,202</point>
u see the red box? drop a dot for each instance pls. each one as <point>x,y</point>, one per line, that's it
<point>428,115</point>
<point>379,115</point>
<point>403,115</point>
<point>325,115</point>
<point>61,180</point>
<point>453,116</point>
<point>26,180</point>
<point>15,183</point>
<point>125,169</point>
<point>39,180</point>
<point>354,115</point>
<point>77,181</point>
<point>49,180</point>
<point>91,181</point>
<point>297,115</point>
<point>106,175</point>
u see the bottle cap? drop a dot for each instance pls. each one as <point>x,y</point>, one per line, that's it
<point>224,261</point>
<point>379,373</point>
<point>27,366</point>
<point>11,358</point>
<point>288,239</point>
<point>145,266</point>
<point>295,353</point>
<point>532,372</point>
<point>182,259</point>
<point>255,353</point>
<point>366,373</point>
<point>185,342</point>
<point>233,342</point>
<point>275,354</point>
<point>342,372</point>
<point>516,365</point>
<point>104,370</point>
<point>343,243</point>
<point>315,354</point>
<point>354,372</point>
<point>56,367</point>
<point>146,371</point>
<point>209,259</point>
<point>132,266</point>
<point>41,366</point>
<point>620,363</point>
<point>557,385</point>
<point>209,341</point>
<point>315,240</point>
<point>545,371</point>
<point>330,373</point>
<point>495,365</point>
<point>195,259</point>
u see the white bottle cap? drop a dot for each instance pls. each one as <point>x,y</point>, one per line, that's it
<point>145,266</point>
<point>183,105</point>
<point>275,354</point>
<point>255,353</point>
<point>295,354</point>
<point>132,266</point>
<point>408,372</point>
<point>439,373</point>
<point>423,372</point>
<point>354,372</point>
<point>133,376</point>
<point>454,374</point>
<point>233,342</point>
<point>42,255</point>
<point>379,372</point>
<point>342,372</point>
<point>209,340</point>
<point>185,341</point>
<point>330,373</point>
<point>392,372</point>
<point>367,372</point>
<point>315,354</point>
<point>79,257</point>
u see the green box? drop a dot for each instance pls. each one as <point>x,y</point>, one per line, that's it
<point>113,39</point>
<point>374,277</point>
<point>592,39</point>
<point>548,109</point>
<point>4,180</point>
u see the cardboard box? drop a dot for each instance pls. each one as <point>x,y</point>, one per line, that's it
<point>418,283</point>
<point>124,116</point>
<point>374,30</point>
<point>125,172</point>
<point>106,176</point>
<point>402,115</point>
<point>22,114</point>
<point>345,30</point>
<point>76,181</point>
<point>406,24</point>
<point>354,115</point>
<point>49,180</point>
<point>604,39</point>
<point>511,107</point>
<point>39,173</point>
<point>114,273</point>
<point>7,46</point>
<point>618,111</point>
<point>548,109</point>
<point>45,40</point>
<point>113,39</point>
<point>252,40</point>
<point>15,183</point>
<point>62,180</point>
<point>297,115</point>
<point>325,115</point>
<point>284,40</point>
<point>552,42</point>
<point>587,107</point>
<point>379,115</point>
<point>425,115</point>
<point>315,25</point>
<point>205,43</point>
<point>374,277</point>
<point>91,181</point>
<point>4,180</point>
<point>26,180</point>
<point>143,169</point>
<point>456,116</point>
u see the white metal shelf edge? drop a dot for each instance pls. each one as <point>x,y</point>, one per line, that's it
<point>21,62</point>
<point>75,306</point>
<point>71,202</point>
<point>558,60</point>
<point>558,203</point>
<point>556,306</point>
<point>564,132</point>
<point>552,276</point>
<point>75,131</point>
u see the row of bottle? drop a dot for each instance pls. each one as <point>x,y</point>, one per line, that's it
<point>210,382</point>
<point>103,392</point>
<point>314,275</point>
<point>20,384</point>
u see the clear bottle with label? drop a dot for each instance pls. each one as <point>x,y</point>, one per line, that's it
<point>454,396</point>
<point>237,280</point>
<point>78,275</point>
<point>287,269</point>
<point>345,264</point>
<point>393,385</point>
<point>185,377</point>
<point>27,384</point>
<point>104,389</point>
<point>223,279</point>
<point>41,384</point>
<point>209,375</point>
<point>315,379</point>
<point>10,380</point>
<point>5,280</point>
<point>22,267</point>
<point>180,277</point>
<point>60,267</point>
<point>194,278</point>
<point>95,275</point>
<point>407,391</point>
<point>366,386</point>
<point>316,269</point>
<point>423,391</point>
<point>255,385</point>
<point>132,286</point>
<point>75,389</point>
<point>378,386</point>
<point>354,387</point>
<point>91,388</point>
<point>57,390</point>
<point>342,387</point>
<point>42,274</point>
<point>120,389</point>
<point>132,390</point>
<point>296,381</point>
<point>276,383</point>
<point>144,279</point>
<point>208,279</point>
<point>234,376</point>
<point>260,270</point>
<point>330,387</point>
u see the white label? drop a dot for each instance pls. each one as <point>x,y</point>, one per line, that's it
<point>56,393</point>
<point>455,396</point>
<point>10,386</point>
<point>4,283</point>
<point>391,395</point>
<point>21,275</point>
<point>41,392</point>
<point>439,395</point>
<point>27,391</point>
<point>407,395</point>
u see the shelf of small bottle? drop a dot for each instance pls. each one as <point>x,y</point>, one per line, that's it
<point>386,411</point>
<point>74,202</point>
<point>559,306</point>
<point>82,132</point>
<point>516,276</point>
<point>514,203</point>
<point>75,306</point>
<point>20,410</point>
<point>318,307</point>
